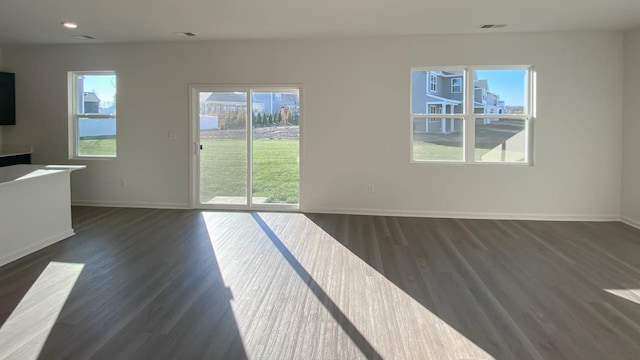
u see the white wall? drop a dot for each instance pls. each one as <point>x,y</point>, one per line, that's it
<point>631,157</point>
<point>356,120</point>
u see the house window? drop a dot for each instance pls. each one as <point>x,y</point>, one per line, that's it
<point>456,85</point>
<point>92,114</point>
<point>469,130</point>
<point>433,83</point>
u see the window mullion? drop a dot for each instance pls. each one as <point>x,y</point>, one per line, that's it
<point>249,131</point>
<point>469,135</point>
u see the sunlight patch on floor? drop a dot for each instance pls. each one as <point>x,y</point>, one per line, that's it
<point>632,295</point>
<point>26,330</point>
<point>263,282</point>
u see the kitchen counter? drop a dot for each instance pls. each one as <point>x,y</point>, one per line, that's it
<point>35,208</point>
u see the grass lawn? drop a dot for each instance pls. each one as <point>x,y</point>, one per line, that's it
<point>224,167</point>
<point>97,147</point>
<point>425,150</point>
<point>275,169</point>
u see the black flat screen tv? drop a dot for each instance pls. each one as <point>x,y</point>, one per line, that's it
<point>7,98</point>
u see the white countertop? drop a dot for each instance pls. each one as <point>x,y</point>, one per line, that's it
<point>9,174</point>
<point>13,150</point>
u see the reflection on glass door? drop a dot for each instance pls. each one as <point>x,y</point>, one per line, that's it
<point>275,146</point>
<point>223,148</point>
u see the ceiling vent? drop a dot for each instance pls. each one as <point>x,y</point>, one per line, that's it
<point>493,26</point>
<point>84,37</point>
<point>185,34</point>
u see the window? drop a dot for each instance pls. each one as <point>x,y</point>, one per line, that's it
<point>456,85</point>
<point>92,114</point>
<point>486,119</point>
<point>433,83</point>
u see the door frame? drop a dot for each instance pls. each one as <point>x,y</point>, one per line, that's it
<point>194,145</point>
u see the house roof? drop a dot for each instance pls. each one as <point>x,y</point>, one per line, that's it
<point>481,84</point>
<point>90,96</point>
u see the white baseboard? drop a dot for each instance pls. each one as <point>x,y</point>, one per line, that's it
<point>631,222</point>
<point>468,215</point>
<point>35,247</point>
<point>158,205</point>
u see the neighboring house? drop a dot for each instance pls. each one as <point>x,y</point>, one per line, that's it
<point>91,102</point>
<point>441,92</point>
<point>486,102</point>
<point>267,102</point>
<point>273,102</point>
<point>437,92</point>
<point>226,102</point>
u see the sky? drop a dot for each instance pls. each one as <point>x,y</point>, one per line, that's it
<point>509,84</point>
<point>103,85</point>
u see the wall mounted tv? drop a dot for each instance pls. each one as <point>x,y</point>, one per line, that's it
<point>7,98</point>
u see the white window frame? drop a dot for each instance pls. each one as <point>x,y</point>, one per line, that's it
<point>459,85</point>
<point>433,83</point>
<point>469,117</point>
<point>74,116</point>
<point>194,145</point>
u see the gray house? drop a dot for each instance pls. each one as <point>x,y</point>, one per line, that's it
<point>90,102</point>
<point>267,102</point>
<point>442,92</point>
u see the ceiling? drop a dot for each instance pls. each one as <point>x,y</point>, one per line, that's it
<point>39,22</point>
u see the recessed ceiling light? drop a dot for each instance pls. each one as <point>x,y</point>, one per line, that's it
<point>84,37</point>
<point>185,34</point>
<point>69,25</point>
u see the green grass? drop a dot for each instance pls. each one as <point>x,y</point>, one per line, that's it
<point>275,169</point>
<point>224,168</point>
<point>430,151</point>
<point>97,147</point>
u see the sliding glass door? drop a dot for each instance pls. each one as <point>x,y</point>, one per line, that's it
<point>246,147</point>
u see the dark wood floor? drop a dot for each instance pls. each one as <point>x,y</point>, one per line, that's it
<point>174,284</point>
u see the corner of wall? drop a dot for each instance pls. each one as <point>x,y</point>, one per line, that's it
<point>0,69</point>
<point>630,198</point>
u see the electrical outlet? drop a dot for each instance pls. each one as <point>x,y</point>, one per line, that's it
<point>371,189</point>
<point>123,182</point>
